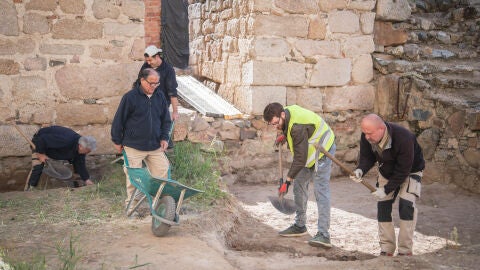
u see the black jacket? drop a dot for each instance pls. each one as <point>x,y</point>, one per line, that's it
<point>61,143</point>
<point>168,80</point>
<point>396,163</point>
<point>141,122</point>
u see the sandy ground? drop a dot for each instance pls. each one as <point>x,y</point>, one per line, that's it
<point>242,234</point>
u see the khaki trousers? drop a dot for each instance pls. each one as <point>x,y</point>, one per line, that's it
<point>157,164</point>
<point>408,216</point>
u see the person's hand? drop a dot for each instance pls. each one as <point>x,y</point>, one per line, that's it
<point>284,185</point>
<point>89,182</point>
<point>118,147</point>
<point>357,175</point>
<point>42,157</point>
<point>379,193</point>
<point>280,140</point>
<point>175,116</point>
<point>163,145</point>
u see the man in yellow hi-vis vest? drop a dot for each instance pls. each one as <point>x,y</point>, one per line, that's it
<point>303,130</point>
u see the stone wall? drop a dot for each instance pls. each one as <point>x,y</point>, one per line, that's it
<point>68,62</point>
<point>428,79</point>
<point>313,53</point>
<point>64,62</point>
<point>307,52</point>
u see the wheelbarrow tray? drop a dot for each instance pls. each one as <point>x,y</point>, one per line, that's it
<point>147,184</point>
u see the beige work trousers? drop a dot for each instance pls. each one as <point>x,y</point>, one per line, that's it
<point>157,164</point>
<point>386,230</point>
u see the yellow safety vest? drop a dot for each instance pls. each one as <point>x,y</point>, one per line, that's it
<point>299,115</point>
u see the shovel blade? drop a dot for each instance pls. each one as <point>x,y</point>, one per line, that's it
<point>285,206</point>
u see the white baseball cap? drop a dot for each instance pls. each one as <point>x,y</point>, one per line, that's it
<point>152,50</point>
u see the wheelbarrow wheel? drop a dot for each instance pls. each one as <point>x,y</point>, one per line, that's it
<point>165,209</point>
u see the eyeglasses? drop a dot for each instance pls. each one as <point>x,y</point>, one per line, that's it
<point>153,84</point>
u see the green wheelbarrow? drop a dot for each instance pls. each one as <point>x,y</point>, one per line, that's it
<point>164,196</point>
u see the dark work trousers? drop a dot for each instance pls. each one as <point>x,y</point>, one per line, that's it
<point>37,169</point>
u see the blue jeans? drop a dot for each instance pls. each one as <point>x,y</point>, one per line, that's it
<point>321,184</point>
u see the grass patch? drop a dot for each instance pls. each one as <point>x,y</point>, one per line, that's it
<point>37,263</point>
<point>72,210</point>
<point>190,166</point>
<point>68,205</point>
<point>197,169</point>
<point>68,256</point>
<point>9,203</point>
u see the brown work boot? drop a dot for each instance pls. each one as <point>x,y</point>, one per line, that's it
<point>405,254</point>
<point>384,253</point>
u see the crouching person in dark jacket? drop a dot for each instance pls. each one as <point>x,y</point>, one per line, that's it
<point>60,143</point>
<point>141,127</point>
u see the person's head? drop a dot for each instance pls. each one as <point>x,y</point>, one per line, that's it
<point>373,127</point>
<point>153,56</point>
<point>86,144</point>
<point>149,80</point>
<point>274,114</point>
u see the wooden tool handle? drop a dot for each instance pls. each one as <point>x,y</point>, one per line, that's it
<point>330,156</point>
<point>280,161</point>
<point>24,136</point>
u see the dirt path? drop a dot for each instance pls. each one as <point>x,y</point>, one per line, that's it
<point>243,235</point>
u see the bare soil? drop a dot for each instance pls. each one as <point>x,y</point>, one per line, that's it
<point>241,233</point>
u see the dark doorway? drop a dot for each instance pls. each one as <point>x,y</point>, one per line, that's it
<point>174,34</point>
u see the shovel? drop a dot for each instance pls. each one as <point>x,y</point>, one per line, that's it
<point>345,168</point>
<point>285,206</point>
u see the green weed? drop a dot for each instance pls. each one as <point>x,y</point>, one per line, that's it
<point>8,203</point>
<point>69,256</point>
<point>136,265</point>
<point>197,169</point>
<point>37,263</point>
<point>453,243</point>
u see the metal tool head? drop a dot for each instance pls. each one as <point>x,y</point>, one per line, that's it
<point>57,169</point>
<point>285,206</point>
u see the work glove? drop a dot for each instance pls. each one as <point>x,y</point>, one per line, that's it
<point>357,175</point>
<point>280,140</point>
<point>379,193</point>
<point>283,188</point>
